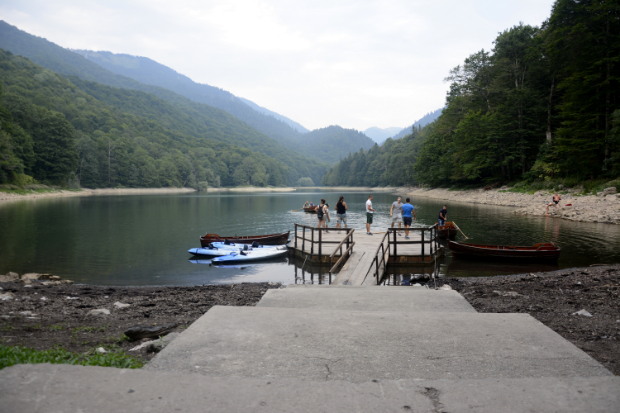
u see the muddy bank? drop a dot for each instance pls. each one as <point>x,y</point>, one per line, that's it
<point>553,298</point>
<point>6,196</point>
<point>43,317</point>
<point>584,208</point>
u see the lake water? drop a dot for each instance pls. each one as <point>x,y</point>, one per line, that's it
<point>143,239</point>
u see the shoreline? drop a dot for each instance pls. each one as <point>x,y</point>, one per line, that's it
<point>62,193</point>
<point>44,316</point>
<point>584,208</point>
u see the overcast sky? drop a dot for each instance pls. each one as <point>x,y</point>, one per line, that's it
<point>350,63</point>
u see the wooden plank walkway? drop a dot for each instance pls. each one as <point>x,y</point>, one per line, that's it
<point>359,268</point>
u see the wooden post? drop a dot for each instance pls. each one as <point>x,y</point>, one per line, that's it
<point>423,229</point>
<point>312,246</point>
<point>295,236</point>
<point>320,243</point>
<point>303,242</point>
<point>395,250</point>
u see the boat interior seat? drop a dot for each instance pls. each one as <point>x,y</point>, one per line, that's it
<point>255,244</point>
<point>211,246</point>
<point>243,253</point>
<point>246,247</point>
<point>227,242</point>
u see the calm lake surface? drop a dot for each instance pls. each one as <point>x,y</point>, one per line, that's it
<point>143,239</point>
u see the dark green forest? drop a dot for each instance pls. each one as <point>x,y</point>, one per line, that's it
<point>543,104</point>
<point>57,130</point>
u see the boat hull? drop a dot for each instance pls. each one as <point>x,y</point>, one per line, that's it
<point>447,231</point>
<point>310,210</point>
<point>251,255</point>
<point>269,239</point>
<point>539,252</point>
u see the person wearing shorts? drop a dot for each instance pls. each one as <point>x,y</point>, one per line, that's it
<point>369,212</point>
<point>408,210</point>
<point>396,212</point>
<point>320,214</point>
<point>341,212</point>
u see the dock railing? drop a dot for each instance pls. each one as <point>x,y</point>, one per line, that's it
<point>390,244</point>
<point>301,239</point>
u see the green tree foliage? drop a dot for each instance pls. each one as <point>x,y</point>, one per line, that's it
<point>109,137</point>
<point>544,102</point>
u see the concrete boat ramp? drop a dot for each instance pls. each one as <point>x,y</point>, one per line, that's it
<point>337,349</point>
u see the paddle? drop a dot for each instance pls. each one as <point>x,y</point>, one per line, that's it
<point>457,227</point>
<point>295,210</point>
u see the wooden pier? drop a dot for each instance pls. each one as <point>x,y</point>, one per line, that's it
<point>363,259</point>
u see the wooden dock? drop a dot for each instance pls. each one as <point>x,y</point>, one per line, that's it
<point>364,259</point>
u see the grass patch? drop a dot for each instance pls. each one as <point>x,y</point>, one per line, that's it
<point>11,355</point>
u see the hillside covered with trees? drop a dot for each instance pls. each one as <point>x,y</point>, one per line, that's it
<point>57,129</point>
<point>543,104</point>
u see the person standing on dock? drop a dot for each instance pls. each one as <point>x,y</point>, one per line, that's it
<point>320,213</point>
<point>327,218</point>
<point>443,213</point>
<point>408,210</point>
<point>341,212</point>
<point>396,212</point>
<point>369,213</point>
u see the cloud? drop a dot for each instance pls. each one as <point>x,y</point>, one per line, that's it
<point>355,63</point>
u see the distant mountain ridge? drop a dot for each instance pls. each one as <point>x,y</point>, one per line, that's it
<point>148,71</point>
<point>423,121</point>
<point>380,135</point>
<point>333,143</point>
<point>298,127</point>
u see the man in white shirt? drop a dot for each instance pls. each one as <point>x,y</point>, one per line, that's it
<point>396,212</point>
<point>369,212</point>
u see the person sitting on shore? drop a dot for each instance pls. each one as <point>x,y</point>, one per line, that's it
<point>554,202</point>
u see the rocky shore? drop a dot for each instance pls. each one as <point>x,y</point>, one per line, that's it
<point>604,207</point>
<point>38,314</point>
<point>7,196</point>
<point>580,304</point>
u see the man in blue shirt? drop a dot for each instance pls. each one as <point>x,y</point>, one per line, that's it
<point>408,209</point>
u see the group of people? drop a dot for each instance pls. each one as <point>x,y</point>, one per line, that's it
<point>401,214</point>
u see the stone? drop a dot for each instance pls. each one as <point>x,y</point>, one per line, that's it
<point>51,283</point>
<point>141,346</point>
<point>119,305</point>
<point>54,277</point>
<point>139,332</point>
<point>100,311</point>
<point>417,285</point>
<point>73,298</point>
<point>155,346</point>
<point>101,350</point>
<point>610,197</point>
<point>583,313</point>
<point>609,191</point>
<point>36,276</point>
<point>445,287</point>
<point>7,296</point>
<point>10,276</point>
<point>66,282</point>
<point>27,313</point>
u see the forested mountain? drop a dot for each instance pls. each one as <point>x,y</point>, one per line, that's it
<point>234,131</point>
<point>389,164</point>
<point>543,104</point>
<point>418,124</point>
<point>332,143</point>
<point>150,72</point>
<point>56,129</point>
<point>380,135</point>
<point>297,126</point>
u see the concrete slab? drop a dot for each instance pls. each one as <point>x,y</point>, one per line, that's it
<point>361,298</point>
<point>361,346</point>
<point>62,388</point>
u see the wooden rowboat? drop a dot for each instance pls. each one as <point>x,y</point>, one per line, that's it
<point>311,209</point>
<point>269,239</point>
<point>538,252</point>
<point>447,231</point>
